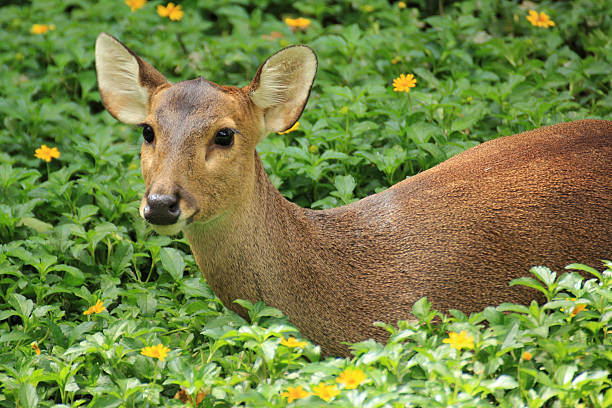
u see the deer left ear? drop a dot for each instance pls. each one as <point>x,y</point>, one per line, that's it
<point>282,84</point>
<point>125,80</point>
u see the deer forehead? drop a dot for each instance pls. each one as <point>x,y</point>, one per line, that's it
<point>195,107</point>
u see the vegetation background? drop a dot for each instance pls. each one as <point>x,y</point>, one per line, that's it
<point>71,240</point>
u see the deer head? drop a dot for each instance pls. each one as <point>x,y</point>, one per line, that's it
<point>199,137</point>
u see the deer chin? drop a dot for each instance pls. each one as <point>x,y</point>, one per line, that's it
<point>172,229</point>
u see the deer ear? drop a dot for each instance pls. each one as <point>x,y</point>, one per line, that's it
<point>282,85</point>
<point>125,80</point>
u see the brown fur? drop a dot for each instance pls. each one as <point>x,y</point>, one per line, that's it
<point>456,233</point>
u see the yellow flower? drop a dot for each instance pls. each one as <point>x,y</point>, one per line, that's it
<point>291,129</point>
<point>295,23</point>
<point>47,153</point>
<point>42,28</point>
<point>34,346</point>
<point>173,11</point>
<point>460,340</point>
<point>135,4</point>
<point>351,378</point>
<point>578,308</point>
<point>159,352</point>
<point>295,393</point>
<point>396,59</point>
<point>540,20</point>
<point>404,82</point>
<point>97,308</point>
<point>401,4</point>
<point>326,392</point>
<point>292,342</point>
<point>527,356</point>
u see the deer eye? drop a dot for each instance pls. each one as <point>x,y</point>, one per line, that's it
<point>148,134</point>
<point>224,137</point>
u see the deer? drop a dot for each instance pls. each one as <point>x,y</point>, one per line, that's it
<point>456,233</point>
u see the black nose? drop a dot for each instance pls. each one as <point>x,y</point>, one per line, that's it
<point>162,209</point>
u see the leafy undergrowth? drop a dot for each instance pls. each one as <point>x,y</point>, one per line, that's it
<point>555,355</point>
<point>71,237</point>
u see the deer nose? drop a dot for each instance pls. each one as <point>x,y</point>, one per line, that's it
<point>162,209</point>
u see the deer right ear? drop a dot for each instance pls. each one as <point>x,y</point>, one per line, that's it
<point>125,80</point>
<point>282,85</point>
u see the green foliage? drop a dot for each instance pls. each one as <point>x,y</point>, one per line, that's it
<point>70,233</point>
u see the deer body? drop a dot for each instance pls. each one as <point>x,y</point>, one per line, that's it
<point>456,233</point>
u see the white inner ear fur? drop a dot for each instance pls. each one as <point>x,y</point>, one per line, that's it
<point>118,81</point>
<point>284,85</point>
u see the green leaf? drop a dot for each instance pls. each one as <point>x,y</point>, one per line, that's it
<point>421,309</point>
<point>511,307</point>
<point>331,154</point>
<point>251,399</point>
<point>5,314</point>
<point>470,116</point>
<point>298,153</point>
<point>86,212</point>
<point>21,304</point>
<point>505,382</point>
<point>245,303</point>
<point>607,401</point>
<point>544,274</point>
<point>172,262</point>
<point>36,224</point>
<point>106,401</point>
<point>28,397</point>
<point>565,373</point>
<point>422,132</point>
<point>261,310</point>
<point>73,277</point>
<point>23,254</point>
<point>585,268</point>
<point>76,333</point>
<point>434,151</point>
<point>196,287</point>
<point>56,333</point>
<point>586,377</point>
<point>510,341</point>
<point>529,282</point>
<point>269,350</point>
<point>40,311</point>
<point>122,256</point>
<point>13,337</point>
<point>147,304</point>
<point>427,76</point>
<point>345,186</point>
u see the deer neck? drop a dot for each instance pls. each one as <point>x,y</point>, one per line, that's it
<point>250,251</point>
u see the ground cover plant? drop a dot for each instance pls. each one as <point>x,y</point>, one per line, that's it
<point>98,311</point>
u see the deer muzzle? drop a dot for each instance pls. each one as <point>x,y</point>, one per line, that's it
<point>162,209</point>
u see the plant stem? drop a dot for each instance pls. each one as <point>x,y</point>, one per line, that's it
<point>409,104</point>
